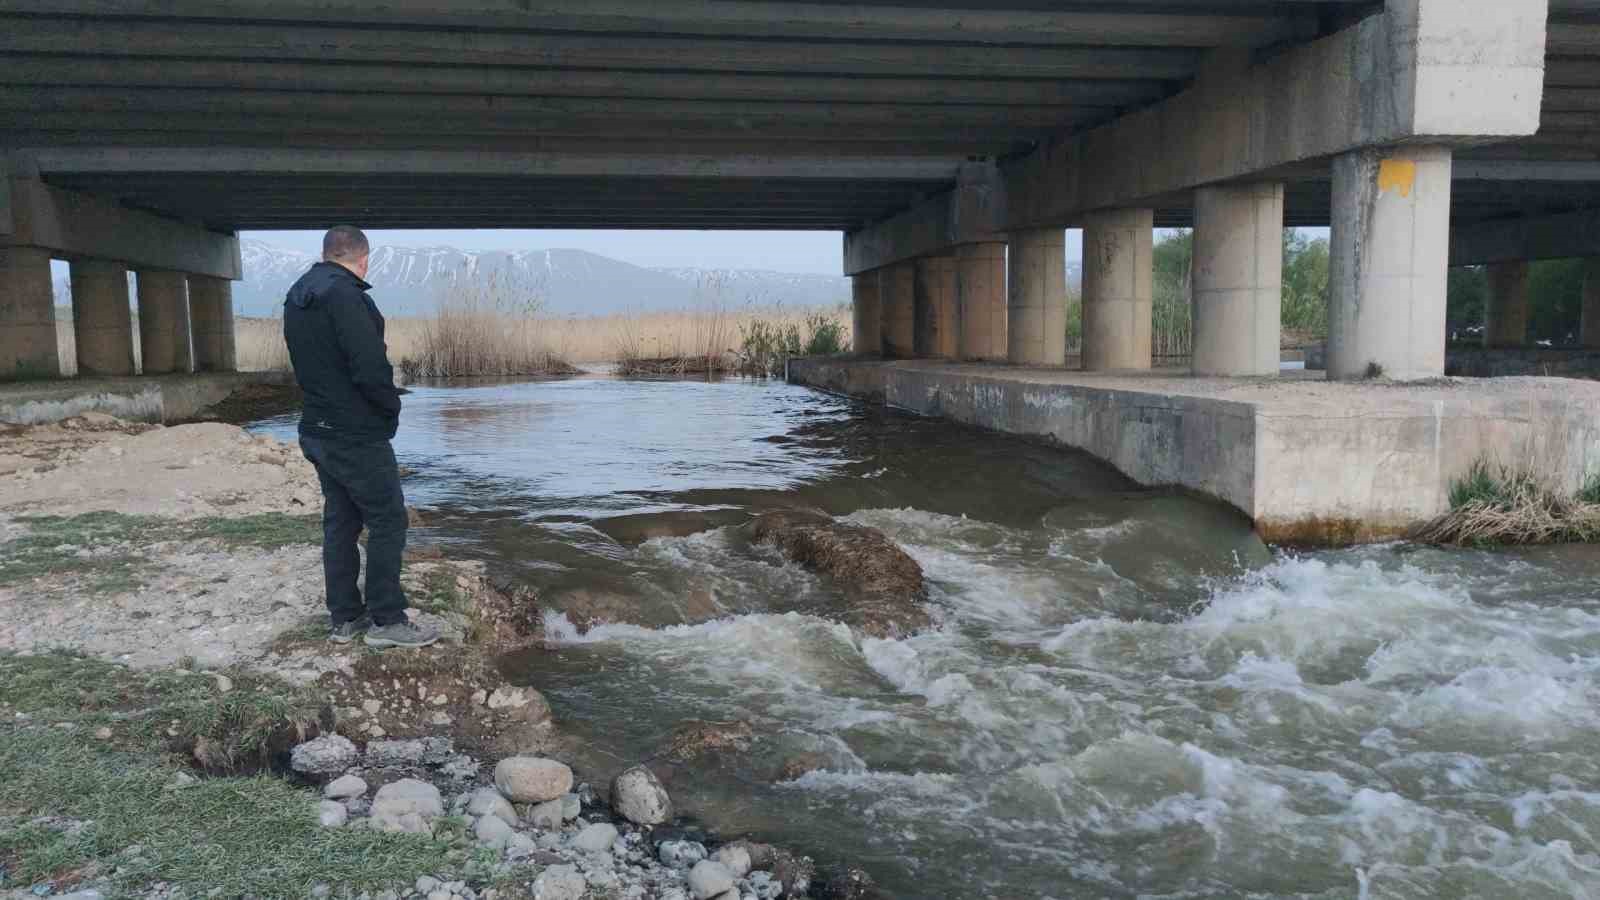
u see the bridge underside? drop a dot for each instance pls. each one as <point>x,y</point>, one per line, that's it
<point>144,133</point>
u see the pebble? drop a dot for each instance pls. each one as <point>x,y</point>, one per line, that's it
<point>710,879</point>
<point>597,838</point>
<point>324,755</point>
<point>332,814</point>
<point>559,883</point>
<point>345,787</point>
<point>529,779</point>
<point>640,798</point>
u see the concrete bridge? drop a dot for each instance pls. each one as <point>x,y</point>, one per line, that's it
<point>953,142</point>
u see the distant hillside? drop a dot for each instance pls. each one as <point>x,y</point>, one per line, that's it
<point>407,280</point>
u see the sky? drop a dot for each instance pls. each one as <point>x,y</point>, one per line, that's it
<point>817,252</point>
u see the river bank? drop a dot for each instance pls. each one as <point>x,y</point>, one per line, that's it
<point>162,644</point>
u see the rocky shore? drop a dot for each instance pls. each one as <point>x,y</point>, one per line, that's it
<point>191,551</point>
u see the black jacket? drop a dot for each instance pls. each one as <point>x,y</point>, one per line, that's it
<point>335,337</point>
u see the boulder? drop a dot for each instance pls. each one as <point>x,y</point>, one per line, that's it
<point>488,801</point>
<point>638,796</point>
<point>345,787</point>
<point>681,854</point>
<point>493,831</point>
<point>710,879</point>
<point>332,814</point>
<point>883,588</point>
<point>548,815</point>
<point>324,755</point>
<point>597,838</point>
<point>530,779</point>
<point>406,805</point>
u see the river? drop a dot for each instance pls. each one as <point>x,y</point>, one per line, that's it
<point>1126,695</point>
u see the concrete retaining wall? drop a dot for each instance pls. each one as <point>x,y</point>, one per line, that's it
<point>1310,461</point>
<point>164,398</point>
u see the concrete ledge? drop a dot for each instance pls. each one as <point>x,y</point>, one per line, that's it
<point>163,398</point>
<point>1310,461</point>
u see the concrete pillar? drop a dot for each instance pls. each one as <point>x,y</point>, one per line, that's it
<point>981,301</point>
<point>935,334</point>
<point>1506,312</point>
<point>866,314</point>
<point>1589,331</point>
<point>1238,279</point>
<point>27,315</point>
<point>1036,297</point>
<point>898,293</point>
<point>211,315</point>
<point>1117,276</point>
<point>1390,253</point>
<point>101,321</point>
<point>163,322</point>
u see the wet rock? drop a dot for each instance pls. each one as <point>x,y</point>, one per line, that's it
<point>850,883</point>
<point>882,585</point>
<point>345,787</point>
<point>527,779</point>
<point>489,801</point>
<point>801,764</point>
<point>695,738</point>
<point>794,871</point>
<point>710,879</point>
<point>681,854</point>
<point>406,805</point>
<point>323,756</point>
<point>638,796</point>
<point>529,705</point>
<point>332,814</point>
<point>586,609</point>
<point>559,883</point>
<point>735,859</point>
<point>597,838</point>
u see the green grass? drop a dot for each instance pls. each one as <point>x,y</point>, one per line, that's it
<point>1590,493</point>
<point>238,835</point>
<point>52,544</point>
<point>1481,484</point>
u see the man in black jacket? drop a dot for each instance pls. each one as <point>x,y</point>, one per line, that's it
<point>352,408</point>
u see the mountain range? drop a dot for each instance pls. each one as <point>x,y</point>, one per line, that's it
<point>408,281</point>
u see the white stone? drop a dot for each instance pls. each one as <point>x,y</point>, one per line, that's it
<point>710,879</point>
<point>345,787</point>
<point>640,798</point>
<point>331,813</point>
<point>597,838</point>
<point>527,779</point>
<point>487,801</point>
<point>559,883</point>
<point>736,858</point>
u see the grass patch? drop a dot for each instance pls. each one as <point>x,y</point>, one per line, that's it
<point>1500,504</point>
<point>76,808</point>
<point>104,551</point>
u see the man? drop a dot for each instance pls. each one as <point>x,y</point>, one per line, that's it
<point>352,408</point>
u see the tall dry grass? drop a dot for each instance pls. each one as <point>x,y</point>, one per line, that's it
<point>484,326</point>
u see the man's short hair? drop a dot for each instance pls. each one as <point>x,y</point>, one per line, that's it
<point>344,243</point>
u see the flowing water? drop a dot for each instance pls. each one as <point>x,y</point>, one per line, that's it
<point>1127,695</point>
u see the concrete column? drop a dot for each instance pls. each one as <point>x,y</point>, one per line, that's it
<point>101,321</point>
<point>898,294</point>
<point>1117,276</point>
<point>211,315</point>
<point>981,301</point>
<point>1506,313</point>
<point>27,315</point>
<point>1589,331</point>
<point>163,322</point>
<point>935,334</point>
<point>1036,297</point>
<point>1390,254</point>
<point>866,314</point>
<point>1238,279</point>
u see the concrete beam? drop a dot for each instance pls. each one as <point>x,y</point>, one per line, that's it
<point>973,213</point>
<point>977,23</point>
<point>75,225</point>
<point>1439,70</point>
<point>1562,236</point>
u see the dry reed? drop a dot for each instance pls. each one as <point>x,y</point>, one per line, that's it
<point>1501,504</point>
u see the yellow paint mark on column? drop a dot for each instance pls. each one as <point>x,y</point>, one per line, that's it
<point>1397,175</point>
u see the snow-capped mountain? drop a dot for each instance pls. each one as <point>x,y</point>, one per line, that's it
<point>408,281</point>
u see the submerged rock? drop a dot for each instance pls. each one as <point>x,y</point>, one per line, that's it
<point>695,738</point>
<point>801,764</point>
<point>883,587</point>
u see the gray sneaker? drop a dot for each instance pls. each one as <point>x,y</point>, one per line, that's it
<point>401,634</point>
<point>345,632</point>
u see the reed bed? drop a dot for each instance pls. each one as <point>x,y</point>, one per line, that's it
<point>1503,504</point>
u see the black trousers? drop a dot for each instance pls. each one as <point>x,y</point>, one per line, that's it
<point>360,489</point>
